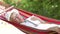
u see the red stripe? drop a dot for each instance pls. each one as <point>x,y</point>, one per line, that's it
<point>19,26</point>
<point>50,20</point>
<point>28,28</point>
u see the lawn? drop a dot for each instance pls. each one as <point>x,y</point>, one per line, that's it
<point>48,8</point>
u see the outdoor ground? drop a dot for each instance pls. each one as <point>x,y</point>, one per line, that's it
<point>6,28</point>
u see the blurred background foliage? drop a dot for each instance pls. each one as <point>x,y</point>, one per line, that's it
<point>48,8</point>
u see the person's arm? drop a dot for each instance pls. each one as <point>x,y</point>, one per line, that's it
<point>4,4</point>
<point>56,29</point>
<point>34,18</point>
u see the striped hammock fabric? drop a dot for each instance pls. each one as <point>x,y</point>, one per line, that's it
<point>27,14</point>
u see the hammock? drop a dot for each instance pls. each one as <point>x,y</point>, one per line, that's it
<point>28,14</point>
<point>26,29</point>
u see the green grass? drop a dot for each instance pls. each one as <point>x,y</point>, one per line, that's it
<point>48,8</point>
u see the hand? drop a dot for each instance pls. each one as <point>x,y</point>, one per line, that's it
<point>56,29</point>
<point>34,18</point>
